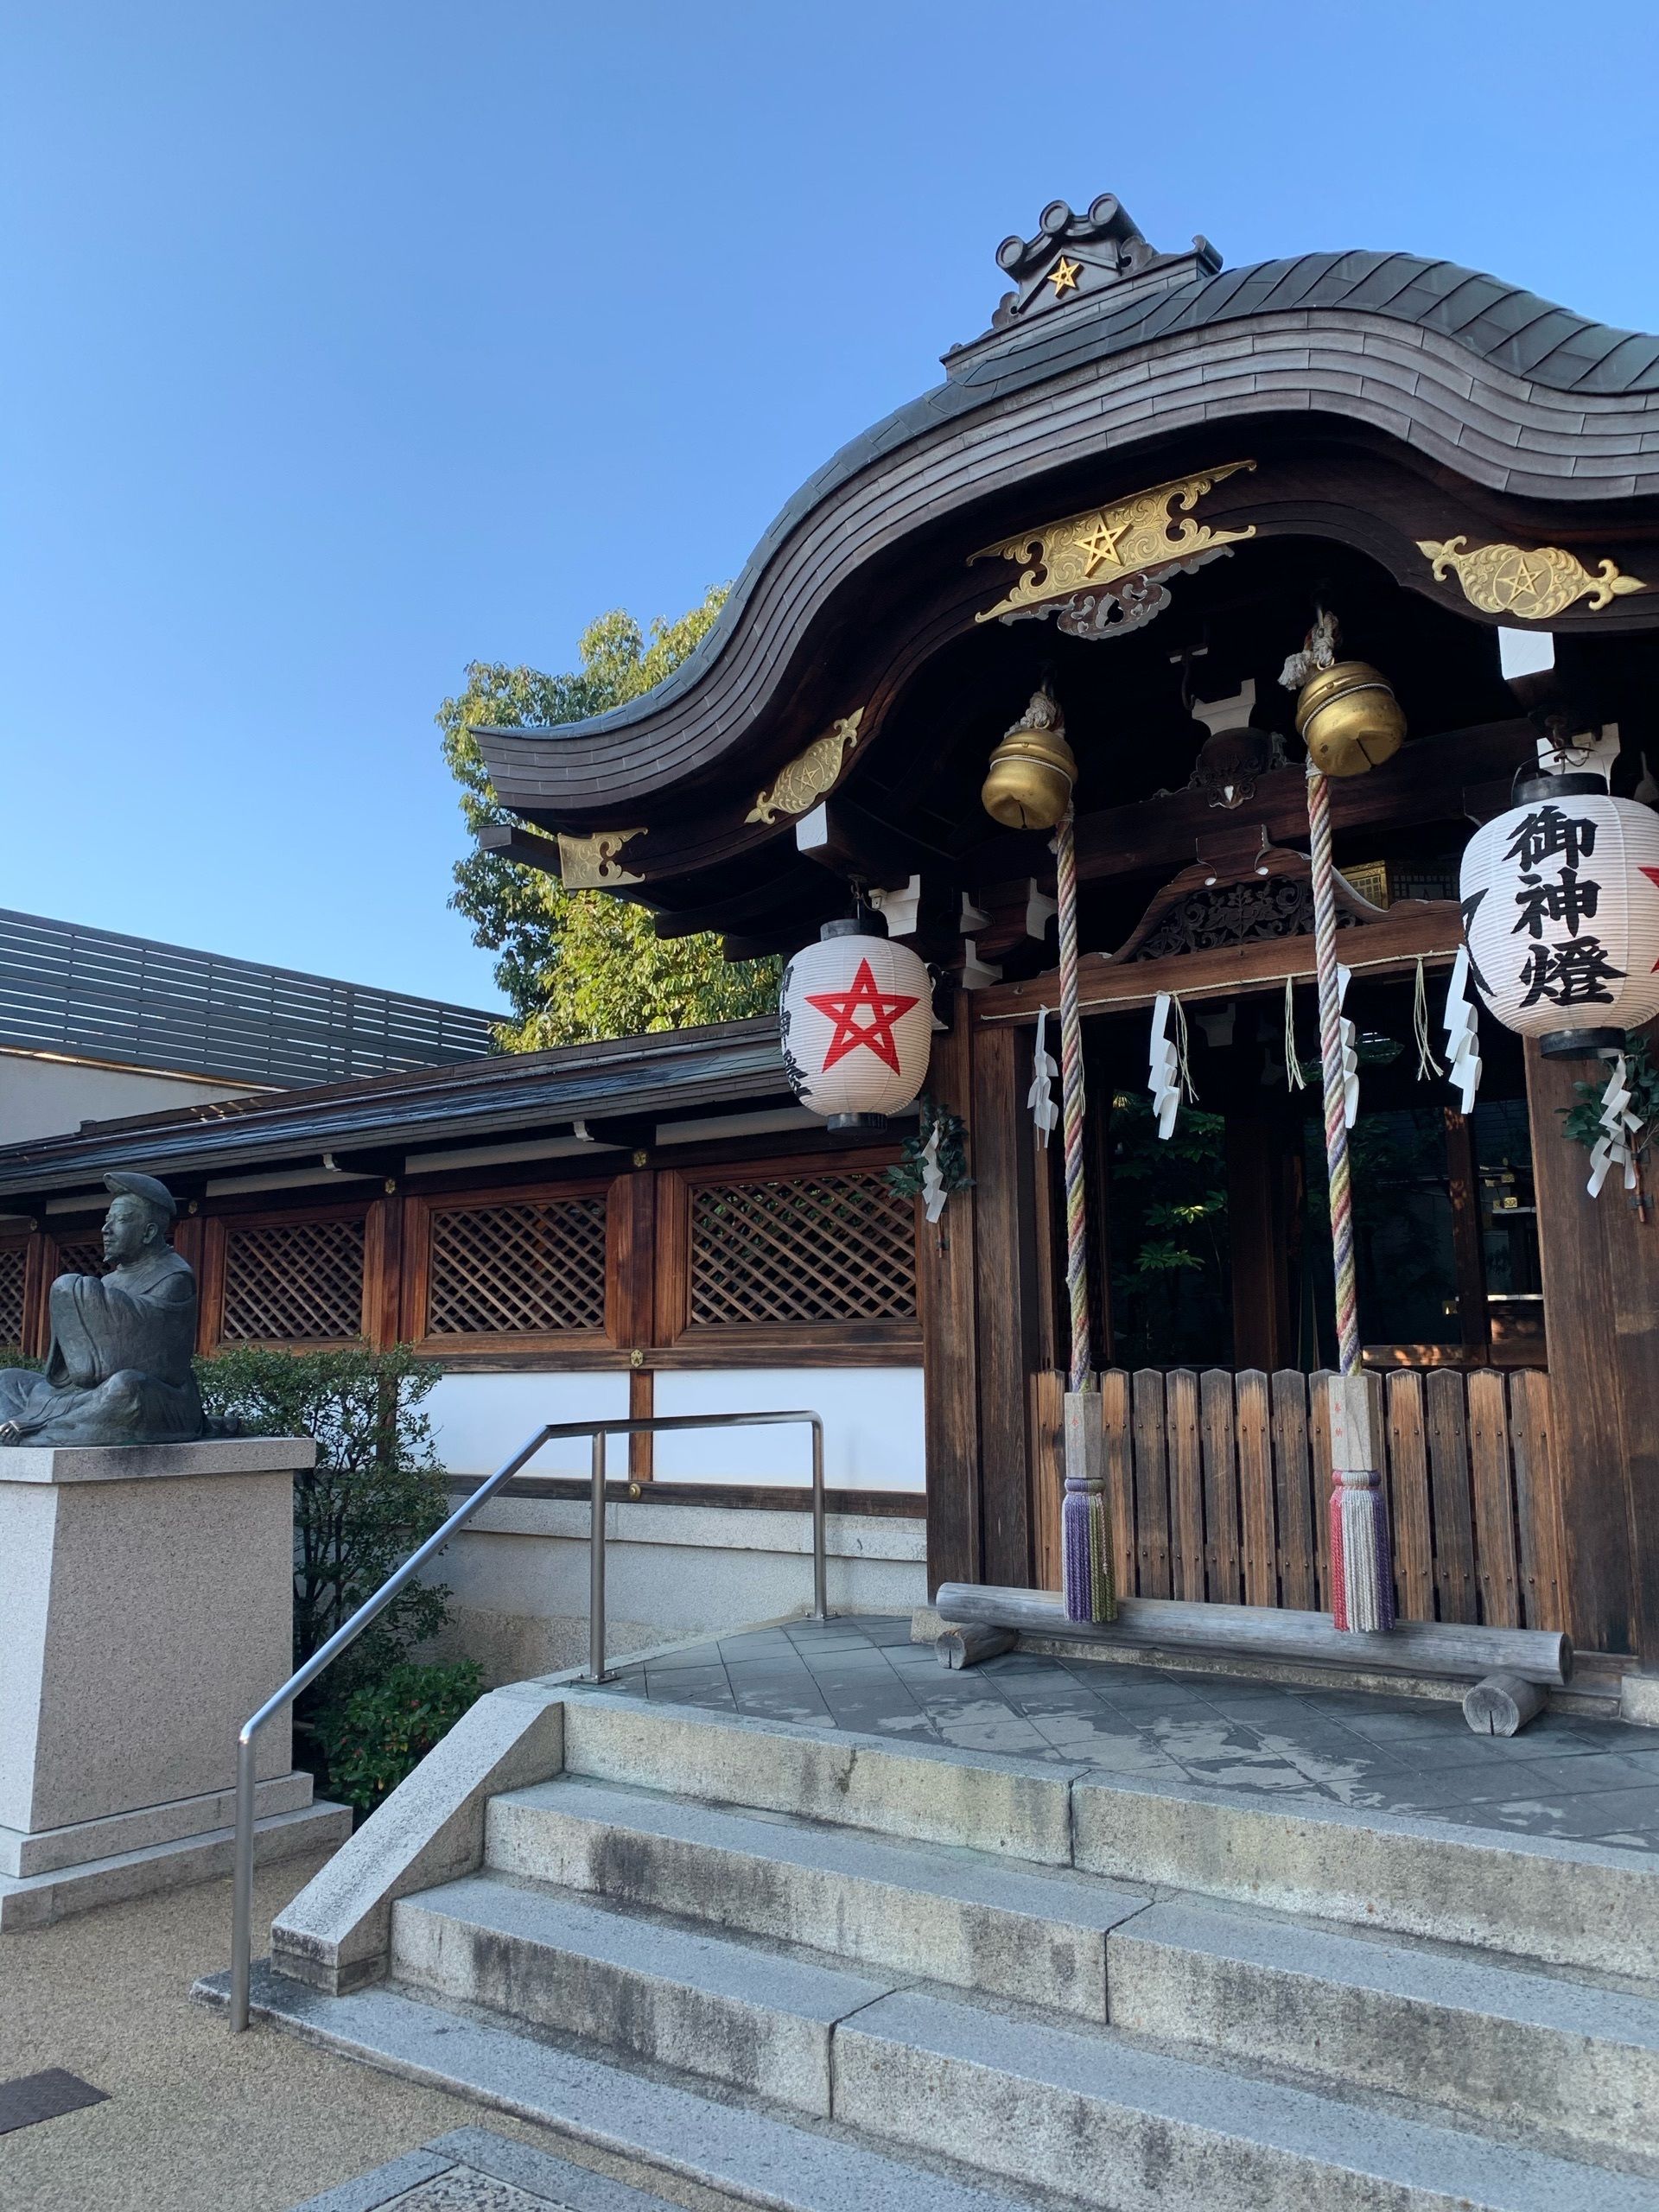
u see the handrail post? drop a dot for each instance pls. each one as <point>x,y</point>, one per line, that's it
<point>596,1567</point>
<point>820,1529</point>
<point>242,1885</point>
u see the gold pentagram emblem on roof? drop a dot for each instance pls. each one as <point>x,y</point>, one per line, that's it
<point>1099,543</point>
<point>1063,275</point>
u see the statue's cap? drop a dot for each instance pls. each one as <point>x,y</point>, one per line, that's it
<point>126,1181</point>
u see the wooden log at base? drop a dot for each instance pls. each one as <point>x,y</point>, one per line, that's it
<point>1501,1704</point>
<point>966,1645</point>
<point>1450,1649</point>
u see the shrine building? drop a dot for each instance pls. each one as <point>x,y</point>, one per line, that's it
<point>1145,488</point>
<point>1142,486</point>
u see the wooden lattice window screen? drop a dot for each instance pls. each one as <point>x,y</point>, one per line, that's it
<point>532,1267</point>
<point>293,1282</point>
<point>80,1256</point>
<point>804,1248</point>
<point>14,1263</point>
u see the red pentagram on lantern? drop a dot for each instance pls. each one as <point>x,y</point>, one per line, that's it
<point>1652,874</point>
<point>839,1007</point>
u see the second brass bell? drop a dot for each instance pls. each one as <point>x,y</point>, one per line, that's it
<point>1349,718</point>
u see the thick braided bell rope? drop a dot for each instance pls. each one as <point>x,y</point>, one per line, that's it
<point>1362,1576</point>
<point>1335,1126</point>
<point>1071,1102</point>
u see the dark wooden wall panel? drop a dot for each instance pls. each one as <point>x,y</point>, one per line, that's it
<point>949,1367</point>
<point>1006,1285</point>
<point>1601,1320</point>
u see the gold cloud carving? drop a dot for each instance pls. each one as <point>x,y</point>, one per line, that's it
<point>591,863</point>
<point>1530,584</point>
<point>811,774</point>
<point>1105,544</point>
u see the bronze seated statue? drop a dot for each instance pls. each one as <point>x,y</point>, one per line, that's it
<point>118,1372</point>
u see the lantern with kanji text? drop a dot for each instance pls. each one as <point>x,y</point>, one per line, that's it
<point>1561,914</point>
<point>856,1022</point>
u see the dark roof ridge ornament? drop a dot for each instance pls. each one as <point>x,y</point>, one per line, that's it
<point>1075,257</point>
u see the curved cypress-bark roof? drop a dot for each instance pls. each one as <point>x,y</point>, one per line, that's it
<point>1513,392</point>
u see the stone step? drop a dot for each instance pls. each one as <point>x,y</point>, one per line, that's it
<point>718,2142</point>
<point>1106,2121</point>
<point>1541,1898</point>
<point>924,1911</point>
<point>727,2011</point>
<point>1545,1898</point>
<point>1523,2053</point>
<point>926,1793</point>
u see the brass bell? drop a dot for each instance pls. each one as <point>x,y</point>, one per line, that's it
<point>1033,770</point>
<point>1349,718</point>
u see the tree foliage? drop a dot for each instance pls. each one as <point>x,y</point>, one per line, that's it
<point>583,965</point>
<point>376,1492</point>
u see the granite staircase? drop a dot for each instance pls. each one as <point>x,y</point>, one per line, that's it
<point>834,1973</point>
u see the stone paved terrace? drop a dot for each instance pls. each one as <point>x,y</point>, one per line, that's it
<point>1590,1780</point>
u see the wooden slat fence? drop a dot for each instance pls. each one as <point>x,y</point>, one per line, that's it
<point>1220,1480</point>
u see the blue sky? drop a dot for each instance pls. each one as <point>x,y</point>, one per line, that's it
<point>349,342</point>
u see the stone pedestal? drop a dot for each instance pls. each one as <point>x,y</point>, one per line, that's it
<point>146,1610</point>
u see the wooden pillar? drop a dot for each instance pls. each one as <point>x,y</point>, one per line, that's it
<point>1600,1262</point>
<point>1468,1247</point>
<point>1259,1233</point>
<point>1006,1296</point>
<point>631,1299</point>
<point>382,1268</point>
<point>949,1365</point>
<point>37,1283</point>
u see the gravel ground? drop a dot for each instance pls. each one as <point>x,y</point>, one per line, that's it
<point>197,2120</point>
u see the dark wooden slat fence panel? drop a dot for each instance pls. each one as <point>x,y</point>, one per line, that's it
<point>1186,1483</point>
<point>1495,1560</point>
<point>1151,1485</point>
<point>1414,1536</point>
<point>1256,1487</point>
<point>1318,1445</point>
<point>1220,1483</point>
<point>1117,1418</point>
<point>1294,1488</point>
<point>1543,1540</point>
<point>1449,1498</point>
<point>1224,1567</point>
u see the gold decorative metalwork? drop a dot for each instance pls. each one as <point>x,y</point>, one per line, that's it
<point>591,863</point>
<point>811,774</point>
<point>1106,543</point>
<point>1529,583</point>
<point>1063,275</point>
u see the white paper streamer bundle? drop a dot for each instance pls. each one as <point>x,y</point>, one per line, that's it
<point>934,1194</point>
<point>1294,1079</point>
<point>1612,1148</point>
<point>1167,1076</point>
<point>1427,1065</point>
<point>1463,1035</point>
<point>1044,1073</point>
<point>1350,1054</point>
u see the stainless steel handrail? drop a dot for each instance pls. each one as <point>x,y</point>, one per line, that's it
<point>242,1888</point>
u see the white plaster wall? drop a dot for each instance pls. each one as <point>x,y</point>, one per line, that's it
<point>519,1576</point>
<point>872,1427</point>
<point>480,1420</point>
<point>44,1098</point>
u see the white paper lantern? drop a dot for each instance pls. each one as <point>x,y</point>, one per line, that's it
<point>856,1019</point>
<point>1561,914</point>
